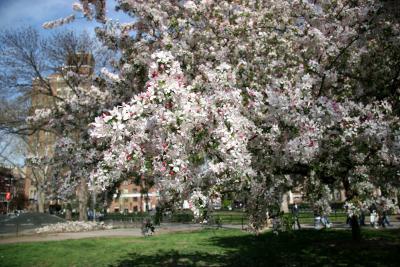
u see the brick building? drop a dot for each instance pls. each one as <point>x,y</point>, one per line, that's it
<point>130,198</point>
<point>10,182</point>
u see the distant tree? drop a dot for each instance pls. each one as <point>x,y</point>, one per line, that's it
<point>29,96</point>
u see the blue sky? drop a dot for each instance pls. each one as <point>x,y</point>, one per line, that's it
<point>20,13</point>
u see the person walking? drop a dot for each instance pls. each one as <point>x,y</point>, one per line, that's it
<point>373,219</point>
<point>147,227</point>
<point>295,213</point>
<point>325,221</point>
<point>385,219</point>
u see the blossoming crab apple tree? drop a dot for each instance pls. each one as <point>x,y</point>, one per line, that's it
<point>334,145</point>
<point>304,73</point>
<point>186,140</point>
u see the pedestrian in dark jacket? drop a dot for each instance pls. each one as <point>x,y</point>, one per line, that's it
<point>295,212</point>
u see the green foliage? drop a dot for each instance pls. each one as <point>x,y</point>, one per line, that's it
<point>288,223</point>
<point>227,203</point>
<point>196,158</point>
<point>182,217</point>
<point>199,135</point>
<point>148,165</point>
<point>213,144</point>
<point>228,125</point>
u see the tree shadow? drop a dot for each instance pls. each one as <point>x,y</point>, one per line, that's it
<point>299,248</point>
<point>172,258</point>
<point>310,248</point>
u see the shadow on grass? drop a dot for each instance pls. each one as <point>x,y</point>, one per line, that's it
<point>301,248</point>
<point>314,248</point>
<point>173,258</point>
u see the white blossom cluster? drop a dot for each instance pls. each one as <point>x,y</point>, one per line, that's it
<point>168,130</point>
<point>112,76</point>
<point>58,22</point>
<point>198,202</point>
<point>352,209</point>
<point>71,227</point>
<point>39,115</point>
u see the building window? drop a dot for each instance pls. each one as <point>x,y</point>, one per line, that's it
<point>135,199</point>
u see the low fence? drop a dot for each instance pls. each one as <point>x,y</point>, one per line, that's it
<point>15,228</point>
<point>181,217</point>
<point>217,217</point>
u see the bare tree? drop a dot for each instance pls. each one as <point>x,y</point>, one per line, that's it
<point>27,63</point>
<point>27,57</point>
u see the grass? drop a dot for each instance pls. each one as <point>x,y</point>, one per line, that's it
<point>214,248</point>
<point>333,218</point>
<point>237,217</point>
<point>231,217</point>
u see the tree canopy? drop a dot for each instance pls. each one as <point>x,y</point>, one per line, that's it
<point>252,96</point>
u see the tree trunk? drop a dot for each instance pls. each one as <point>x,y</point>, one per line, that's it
<point>40,200</point>
<point>147,201</point>
<point>94,204</point>
<point>355,228</point>
<point>83,199</point>
<point>285,203</point>
<point>68,215</point>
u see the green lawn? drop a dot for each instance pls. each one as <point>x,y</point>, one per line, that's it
<point>214,248</point>
<point>237,217</point>
<point>309,218</point>
<point>231,217</point>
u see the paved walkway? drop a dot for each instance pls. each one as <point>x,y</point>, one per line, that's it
<point>31,236</point>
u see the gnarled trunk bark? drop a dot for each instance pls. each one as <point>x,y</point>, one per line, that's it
<point>83,199</point>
